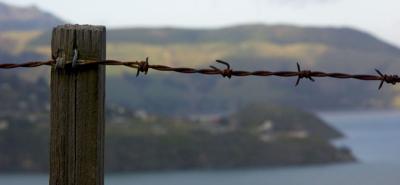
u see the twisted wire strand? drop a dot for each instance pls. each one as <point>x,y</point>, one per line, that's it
<point>27,64</point>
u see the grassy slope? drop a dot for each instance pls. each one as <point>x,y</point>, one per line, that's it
<point>248,47</point>
<point>319,47</point>
<point>19,39</point>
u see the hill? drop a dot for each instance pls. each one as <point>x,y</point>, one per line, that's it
<point>278,34</point>
<point>147,142</point>
<point>13,18</point>
<point>251,47</point>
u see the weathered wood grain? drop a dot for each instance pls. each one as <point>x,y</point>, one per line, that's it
<point>77,108</point>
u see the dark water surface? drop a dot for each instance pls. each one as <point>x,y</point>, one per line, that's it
<point>374,138</point>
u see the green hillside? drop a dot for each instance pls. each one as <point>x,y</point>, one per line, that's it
<point>251,47</point>
<point>137,142</point>
<point>280,34</point>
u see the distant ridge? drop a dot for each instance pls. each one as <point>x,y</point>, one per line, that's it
<point>13,18</point>
<point>248,47</point>
<point>278,34</point>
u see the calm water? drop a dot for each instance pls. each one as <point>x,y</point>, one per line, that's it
<point>374,137</point>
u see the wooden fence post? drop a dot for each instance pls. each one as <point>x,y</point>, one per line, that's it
<point>77,107</point>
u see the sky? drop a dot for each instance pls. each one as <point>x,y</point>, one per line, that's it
<point>379,17</point>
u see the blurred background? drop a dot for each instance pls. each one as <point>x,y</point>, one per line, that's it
<point>167,128</point>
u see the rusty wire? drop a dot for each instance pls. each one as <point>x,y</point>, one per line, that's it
<point>27,64</point>
<point>144,66</point>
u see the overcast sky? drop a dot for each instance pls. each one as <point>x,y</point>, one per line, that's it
<point>380,17</point>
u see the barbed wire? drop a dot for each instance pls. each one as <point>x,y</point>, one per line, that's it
<point>144,66</point>
<point>27,64</point>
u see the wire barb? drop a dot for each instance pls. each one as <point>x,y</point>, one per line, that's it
<point>226,72</point>
<point>303,74</point>
<point>142,66</point>
<point>390,79</point>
